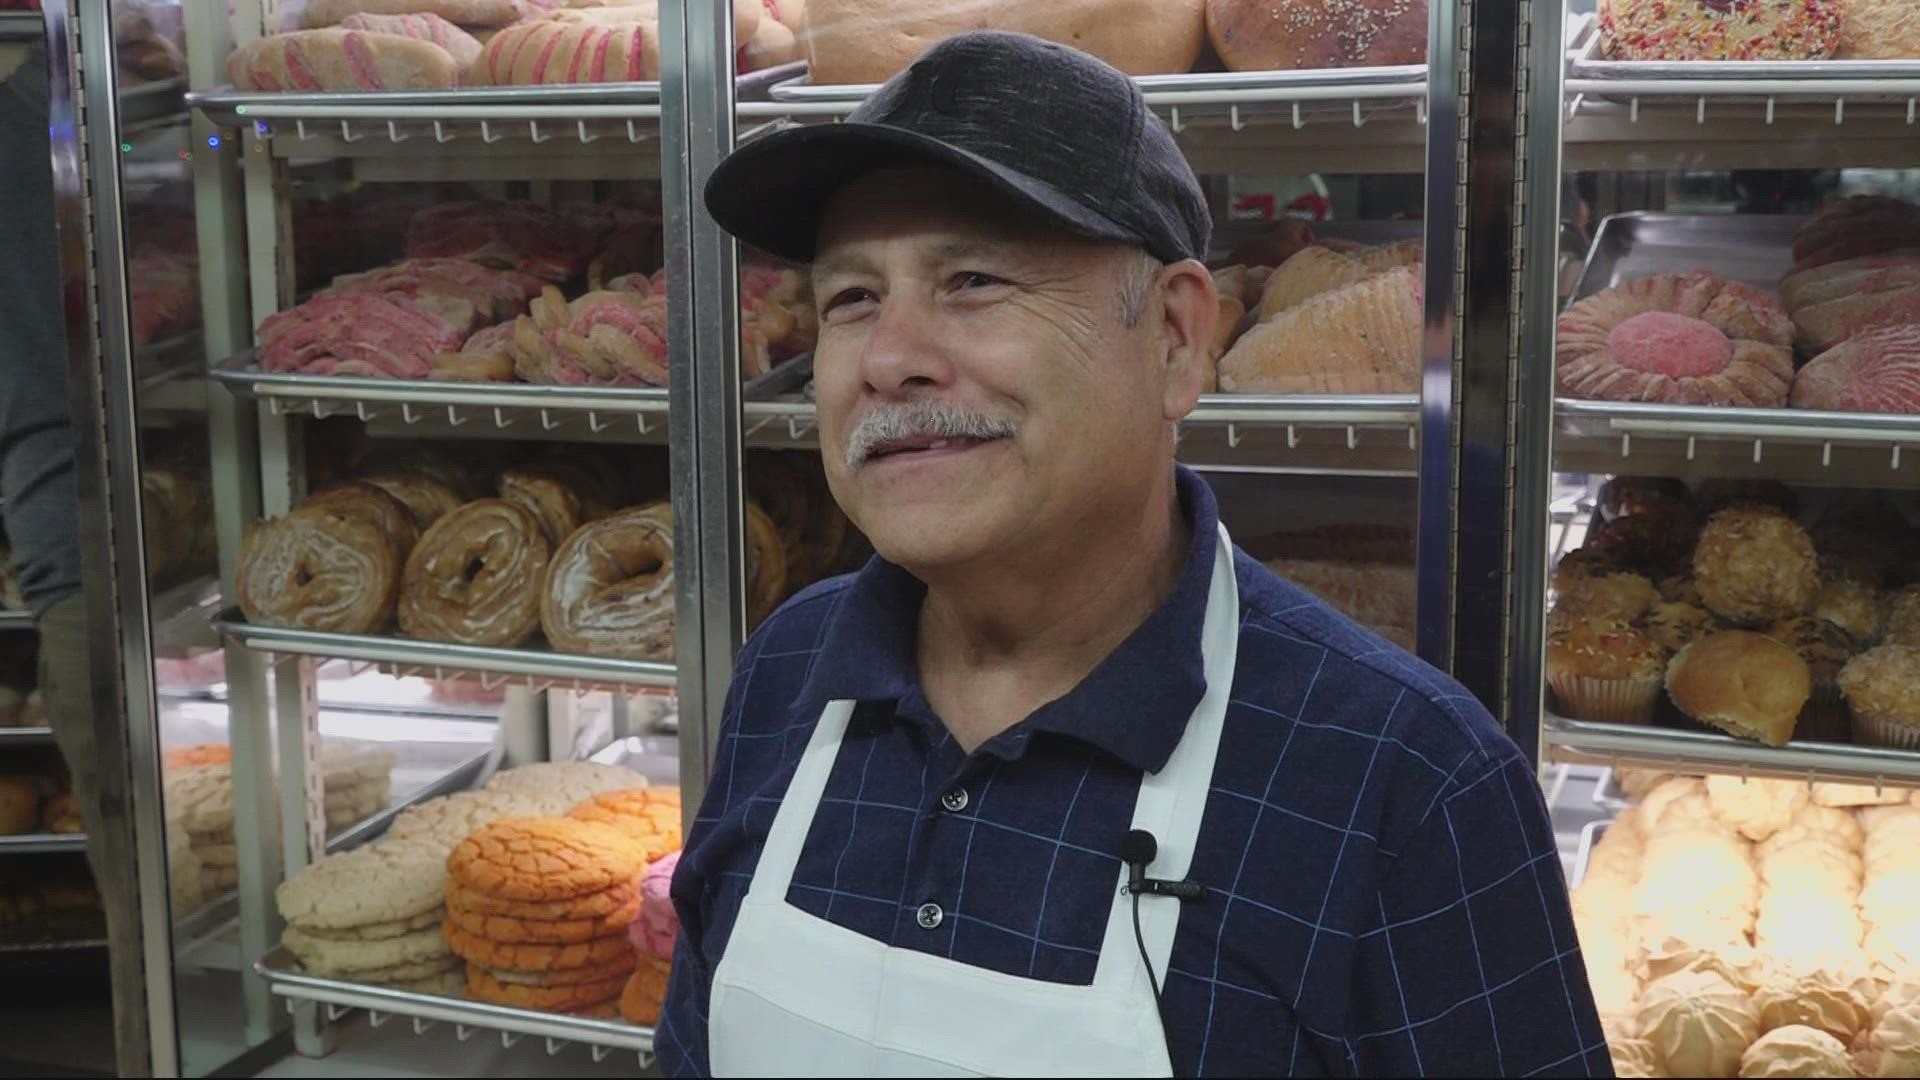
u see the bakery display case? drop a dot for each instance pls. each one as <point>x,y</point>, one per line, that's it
<point>471,449</point>
<point>1714,552</point>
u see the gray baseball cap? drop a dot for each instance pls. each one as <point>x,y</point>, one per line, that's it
<point>1049,126</point>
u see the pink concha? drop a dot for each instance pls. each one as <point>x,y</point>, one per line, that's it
<point>1876,371</point>
<point>1670,344</point>
<point>654,929</point>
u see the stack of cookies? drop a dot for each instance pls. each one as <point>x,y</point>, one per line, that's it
<point>200,801</point>
<point>358,783</point>
<point>539,908</point>
<point>372,915</point>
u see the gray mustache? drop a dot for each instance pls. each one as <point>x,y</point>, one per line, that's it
<point>920,419</point>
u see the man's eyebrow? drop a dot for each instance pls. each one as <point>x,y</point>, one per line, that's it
<point>947,251</point>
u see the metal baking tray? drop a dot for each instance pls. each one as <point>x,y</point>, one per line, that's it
<point>242,377</point>
<point>1588,63</point>
<point>1753,248</point>
<point>152,102</point>
<point>1589,836</point>
<point>1194,88</point>
<point>1608,795</point>
<point>285,977</point>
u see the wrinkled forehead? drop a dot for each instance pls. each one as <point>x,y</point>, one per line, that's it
<point>921,206</point>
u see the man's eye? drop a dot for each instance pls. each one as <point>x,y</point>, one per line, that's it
<point>844,297</point>
<point>973,279</point>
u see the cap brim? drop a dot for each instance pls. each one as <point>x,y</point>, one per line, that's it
<point>772,192</point>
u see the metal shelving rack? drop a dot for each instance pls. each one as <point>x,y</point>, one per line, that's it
<point>1397,121</point>
<point>1591,114</point>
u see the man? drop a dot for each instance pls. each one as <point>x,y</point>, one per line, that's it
<point>1061,783</point>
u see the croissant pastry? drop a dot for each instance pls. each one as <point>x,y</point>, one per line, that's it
<point>610,587</point>
<point>332,563</point>
<point>476,577</point>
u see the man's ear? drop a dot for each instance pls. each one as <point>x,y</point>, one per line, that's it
<point>1190,310</point>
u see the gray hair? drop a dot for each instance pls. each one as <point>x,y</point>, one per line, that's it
<point>1136,286</point>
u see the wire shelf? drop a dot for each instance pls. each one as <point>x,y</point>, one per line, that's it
<point>537,669</point>
<point>557,1031</point>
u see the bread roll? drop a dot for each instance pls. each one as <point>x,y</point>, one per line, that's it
<point>337,59</point>
<point>1361,339</point>
<point>1266,35</point>
<point>1308,274</point>
<point>1743,683</point>
<point>19,805</point>
<point>459,12</point>
<point>462,46</point>
<point>570,50</point>
<point>870,41</point>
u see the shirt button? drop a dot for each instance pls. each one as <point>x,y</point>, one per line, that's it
<point>930,916</point>
<point>955,800</point>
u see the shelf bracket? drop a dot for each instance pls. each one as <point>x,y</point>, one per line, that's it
<point>1826,455</point>
<point>554,1046</point>
<point>1758,446</point>
<point>640,420</point>
<point>1233,436</point>
<point>1895,465</point>
<point>1174,120</point>
<point>1839,111</point>
<point>1353,437</point>
<point>422,1025</point>
<point>360,410</point>
<point>599,1053</point>
<point>756,428</point>
<point>533,130</point>
<point>646,1059</point>
<point>393,132</point>
<point>346,132</point>
<point>335,1012</point>
<point>1913,110</point>
<point>1358,120</point>
<point>797,427</point>
<point>633,136</point>
<point>376,1018</point>
<point>1633,110</point>
<point>486,133</point>
<point>1413,438</point>
<point>595,424</point>
<point>454,419</point>
<point>1626,445</point>
<point>509,1039</point>
<point>547,422</point>
<point>1233,118</point>
<point>1769,111</point>
<point>1298,120</point>
<point>586,138</point>
<point>500,418</point>
<point>1420,111</point>
<point>461,1032</point>
<point>1700,111</point>
<point>440,132</point>
<point>1692,446</point>
<point>1293,436</point>
<point>300,129</point>
<point>407,415</point>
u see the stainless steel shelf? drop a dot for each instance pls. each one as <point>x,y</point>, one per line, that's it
<point>538,669</point>
<point>25,736</point>
<point>284,978</point>
<point>1892,86</point>
<point>1699,751</point>
<point>16,620</point>
<point>511,409</point>
<point>21,26</point>
<point>1234,100</point>
<point>1842,442</point>
<point>42,843</point>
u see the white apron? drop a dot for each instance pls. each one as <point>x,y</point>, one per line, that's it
<point>797,995</point>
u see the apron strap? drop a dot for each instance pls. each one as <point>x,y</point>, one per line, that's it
<point>774,873</point>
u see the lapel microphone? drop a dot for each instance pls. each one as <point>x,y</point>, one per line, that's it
<point>1138,850</point>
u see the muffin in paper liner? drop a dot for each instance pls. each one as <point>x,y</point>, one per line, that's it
<point>1882,687</point>
<point>1607,701</point>
<point>1885,731</point>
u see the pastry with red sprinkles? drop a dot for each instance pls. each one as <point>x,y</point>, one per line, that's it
<point>1720,29</point>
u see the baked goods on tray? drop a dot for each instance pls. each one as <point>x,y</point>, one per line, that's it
<point>458,12</point>
<point>1263,35</point>
<point>1876,371</point>
<point>1754,565</point>
<point>1880,30</point>
<point>421,26</point>
<point>475,578</point>
<point>1689,339</point>
<point>1720,29</point>
<point>1363,338</point>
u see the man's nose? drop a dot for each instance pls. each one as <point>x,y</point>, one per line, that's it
<point>906,350</point>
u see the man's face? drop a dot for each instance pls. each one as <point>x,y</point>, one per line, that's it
<point>980,390</point>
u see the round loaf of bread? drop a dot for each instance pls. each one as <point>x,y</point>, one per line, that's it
<point>1288,35</point>
<point>870,41</point>
<point>1746,684</point>
<point>1687,339</point>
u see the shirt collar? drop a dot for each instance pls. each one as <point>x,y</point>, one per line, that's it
<point>1134,705</point>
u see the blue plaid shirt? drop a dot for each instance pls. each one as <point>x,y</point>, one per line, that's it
<point>1383,892</point>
